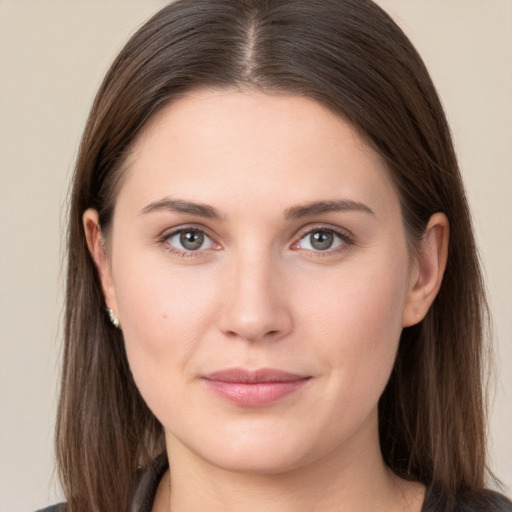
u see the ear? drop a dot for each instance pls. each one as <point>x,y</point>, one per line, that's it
<point>98,251</point>
<point>427,270</point>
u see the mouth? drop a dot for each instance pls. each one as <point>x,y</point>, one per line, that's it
<point>254,388</point>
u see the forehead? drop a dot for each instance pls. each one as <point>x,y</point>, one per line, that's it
<point>217,145</point>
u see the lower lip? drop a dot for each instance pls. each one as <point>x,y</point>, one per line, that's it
<point>255,394</point>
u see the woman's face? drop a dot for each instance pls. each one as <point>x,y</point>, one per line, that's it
<point>260,271</point>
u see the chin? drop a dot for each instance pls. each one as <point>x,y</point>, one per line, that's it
<point>257,450</point>
<point>260,461</point>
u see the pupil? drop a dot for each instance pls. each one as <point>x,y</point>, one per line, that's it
<point>321,240</point>
<point>191,240</point>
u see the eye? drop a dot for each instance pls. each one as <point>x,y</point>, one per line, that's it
<point>321,240</point>
<point>189,240</point>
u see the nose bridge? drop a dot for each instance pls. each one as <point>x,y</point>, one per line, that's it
<point>256,306</point>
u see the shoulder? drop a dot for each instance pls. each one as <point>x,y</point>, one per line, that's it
<point>486,501</point>
<point>467,501</point>
<point>148,479</point>
<point>54,508</point>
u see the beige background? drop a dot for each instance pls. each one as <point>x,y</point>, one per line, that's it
<point>52,57</point>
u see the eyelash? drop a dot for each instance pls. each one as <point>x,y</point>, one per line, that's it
<point>345,239</point>
<point>183,253</point>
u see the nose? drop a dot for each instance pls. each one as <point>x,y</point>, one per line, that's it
<point>256,304</point>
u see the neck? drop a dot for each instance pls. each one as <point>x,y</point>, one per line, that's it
<point>352,477</point>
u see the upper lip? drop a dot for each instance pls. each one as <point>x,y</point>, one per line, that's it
<point>261,375</point>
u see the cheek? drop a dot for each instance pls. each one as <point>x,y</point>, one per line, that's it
<point>358,325</point>
<point>160,302</point>
<point>164,316</point>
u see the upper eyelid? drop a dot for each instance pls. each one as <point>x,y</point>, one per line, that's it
<point>184,227</point>
<point>343,232</point>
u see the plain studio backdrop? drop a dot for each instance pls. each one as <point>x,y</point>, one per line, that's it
<point>53,55</point>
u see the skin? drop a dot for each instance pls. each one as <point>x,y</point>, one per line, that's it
<point>259,294</point>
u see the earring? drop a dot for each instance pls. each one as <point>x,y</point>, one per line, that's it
<point>113,318</point>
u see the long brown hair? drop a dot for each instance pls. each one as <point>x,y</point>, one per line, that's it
<point>350,56</point>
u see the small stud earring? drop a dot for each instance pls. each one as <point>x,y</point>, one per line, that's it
<point>113,318</point>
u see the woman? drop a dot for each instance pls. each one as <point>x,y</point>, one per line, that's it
<point>268,206</point>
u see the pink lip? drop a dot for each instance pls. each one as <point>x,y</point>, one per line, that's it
<point>254,388</point>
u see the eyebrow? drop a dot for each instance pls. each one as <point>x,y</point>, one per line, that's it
<point>319,207</point>
<point>296,212</point>
<point>180,206</point>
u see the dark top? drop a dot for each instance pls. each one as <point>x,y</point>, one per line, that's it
<point>486,501</point>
